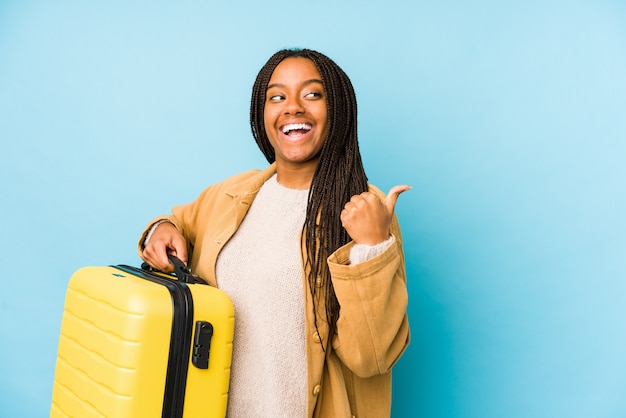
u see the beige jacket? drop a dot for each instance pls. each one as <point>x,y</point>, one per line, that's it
<point>353,377</point>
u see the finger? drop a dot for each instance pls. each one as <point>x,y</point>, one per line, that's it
<point>159,257</point>
<point>156,255</point>
<point>392,196</point>
<point>153,260</point>
<point>179,249</point>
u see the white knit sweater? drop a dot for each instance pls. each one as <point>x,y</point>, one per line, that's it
<point>260,268</point>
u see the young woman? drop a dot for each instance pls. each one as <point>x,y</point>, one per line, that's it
<point>310,254</point>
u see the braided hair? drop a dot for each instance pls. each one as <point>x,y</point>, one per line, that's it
<point>339,174</point>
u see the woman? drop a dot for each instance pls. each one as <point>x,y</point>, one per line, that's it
<point>309,253</point>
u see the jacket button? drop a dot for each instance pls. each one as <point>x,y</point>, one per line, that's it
<point>317,337</point>
<point>218,242</point>
<point>318,282</point>
<point>316,390</point>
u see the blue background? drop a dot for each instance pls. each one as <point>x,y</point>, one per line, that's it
<point>507,118</point>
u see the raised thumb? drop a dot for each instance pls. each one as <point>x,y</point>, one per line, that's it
<point>392,196</point>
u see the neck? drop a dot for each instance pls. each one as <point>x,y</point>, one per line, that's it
<point>296,177</point>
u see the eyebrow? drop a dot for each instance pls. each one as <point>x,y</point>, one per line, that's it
<point>306,83</point>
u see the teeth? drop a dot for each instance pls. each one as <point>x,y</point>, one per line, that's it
<point>296,126</point>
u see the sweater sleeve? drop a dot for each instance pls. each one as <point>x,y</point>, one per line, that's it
<point>373,328</point>
<point>363,252</point>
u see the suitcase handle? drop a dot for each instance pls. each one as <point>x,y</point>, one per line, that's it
<point>181,271</point>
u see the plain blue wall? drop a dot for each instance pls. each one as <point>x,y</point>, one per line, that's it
<point>507,119</point>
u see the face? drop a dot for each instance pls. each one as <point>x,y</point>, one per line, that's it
<point>295,113</point>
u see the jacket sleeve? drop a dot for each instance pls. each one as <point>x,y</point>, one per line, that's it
<point>373,328</point>
<point>184,217</point>
<point>191,219</point>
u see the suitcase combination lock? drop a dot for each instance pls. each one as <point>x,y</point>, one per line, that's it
<point>202,344</point>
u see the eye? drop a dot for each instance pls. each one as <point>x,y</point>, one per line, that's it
<point>275,98</point>
<point>313,95</point>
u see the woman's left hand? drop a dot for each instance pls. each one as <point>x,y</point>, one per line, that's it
<point>367,219</point>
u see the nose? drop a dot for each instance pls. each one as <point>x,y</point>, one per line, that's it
<point>294,106</point>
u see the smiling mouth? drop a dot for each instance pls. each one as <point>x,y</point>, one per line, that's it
<point>296,129</point>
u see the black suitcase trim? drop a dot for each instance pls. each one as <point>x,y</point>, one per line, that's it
<point>180,340</point>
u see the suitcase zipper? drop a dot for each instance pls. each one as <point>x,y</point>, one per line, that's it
<point>180,340</point>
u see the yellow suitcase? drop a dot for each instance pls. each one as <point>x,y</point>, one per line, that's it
<point>136,343</point>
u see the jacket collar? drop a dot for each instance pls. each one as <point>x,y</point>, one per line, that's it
<point>252,184</point>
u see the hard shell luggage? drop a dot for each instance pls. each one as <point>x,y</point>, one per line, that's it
<point>136,343</point>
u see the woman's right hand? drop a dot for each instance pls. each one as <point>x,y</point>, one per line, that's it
<point>166,239</point>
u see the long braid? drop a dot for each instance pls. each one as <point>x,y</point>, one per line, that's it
<point>339,174</point>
